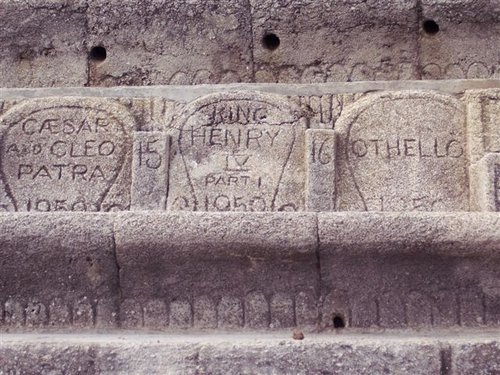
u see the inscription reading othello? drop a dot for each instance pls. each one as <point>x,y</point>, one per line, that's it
<point>235,153</point>
<point>403,152</point>
<point>406,148</point>
<point>63,158</point>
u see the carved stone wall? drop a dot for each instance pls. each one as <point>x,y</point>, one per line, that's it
<point>239,209</point>
<point>250,187</point>
<point>413,150</point>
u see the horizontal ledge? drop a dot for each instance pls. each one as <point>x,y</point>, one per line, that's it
<point>451,233</point>
<point>188,93</point>
<point>251,353</point>
<point>346,336</point>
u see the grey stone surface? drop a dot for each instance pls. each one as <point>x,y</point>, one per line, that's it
<point>210,268</point>
<point>243,150</point>
<point>50,43</point>
<point>149,188</point>
<point>402,151</point>
<point>483,112</point>
<point>170,42</point>
<point>397,270</point>
<point>476,358</point>
<point>43,43</point>
<point>320,147</point>
<point>324,41</point>
<point>189,93</point>
<point>252,271</point>
<point>181,270</point>
<point>462,48</point>
<point>485,183</point>
<point>66,154</point>
<point>275,353</point>
<point>238,152</point>
<point>57,273</point>
<point>320,161</point>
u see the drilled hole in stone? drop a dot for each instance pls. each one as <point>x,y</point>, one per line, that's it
<point>431,27</point>
<point>98,53</point>
<point>270,41</point>
<point>338,321</point>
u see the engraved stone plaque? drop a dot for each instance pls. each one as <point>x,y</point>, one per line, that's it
<point>238,152</point>
<point>66,154</point>
<point>402,152</point>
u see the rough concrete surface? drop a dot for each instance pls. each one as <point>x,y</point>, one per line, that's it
<point>446,53</point>
<point>322,41</point>
<point>170,42</point>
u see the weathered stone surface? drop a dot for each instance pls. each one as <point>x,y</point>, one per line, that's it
<point>57,272</point>
<point>238,152</point>
<point>409,156</point>
<point>196,259</point>
<point>320,161</point>
<point>485,183</point>
<point>226,354</point>
<point>149,188</point>
<point>456,39</point>
<point>193,42</point>
<point>473,358</point>
<point>322,41</point>
<point>66,154</point>
<point>483,118</point>
<point>379,163</point>
<point>396,270</point>
<point>252,270</point>
<point>173,42</point>
<point>401,152</point>
<point>43,43</point>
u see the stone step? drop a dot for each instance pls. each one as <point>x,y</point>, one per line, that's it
<point>107,43</point>
<point>452,352</point>
<point>236,271</point>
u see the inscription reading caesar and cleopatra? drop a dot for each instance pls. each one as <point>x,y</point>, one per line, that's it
<point>62,157</point>
<point>239,153</point>
<point>73,149</point>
